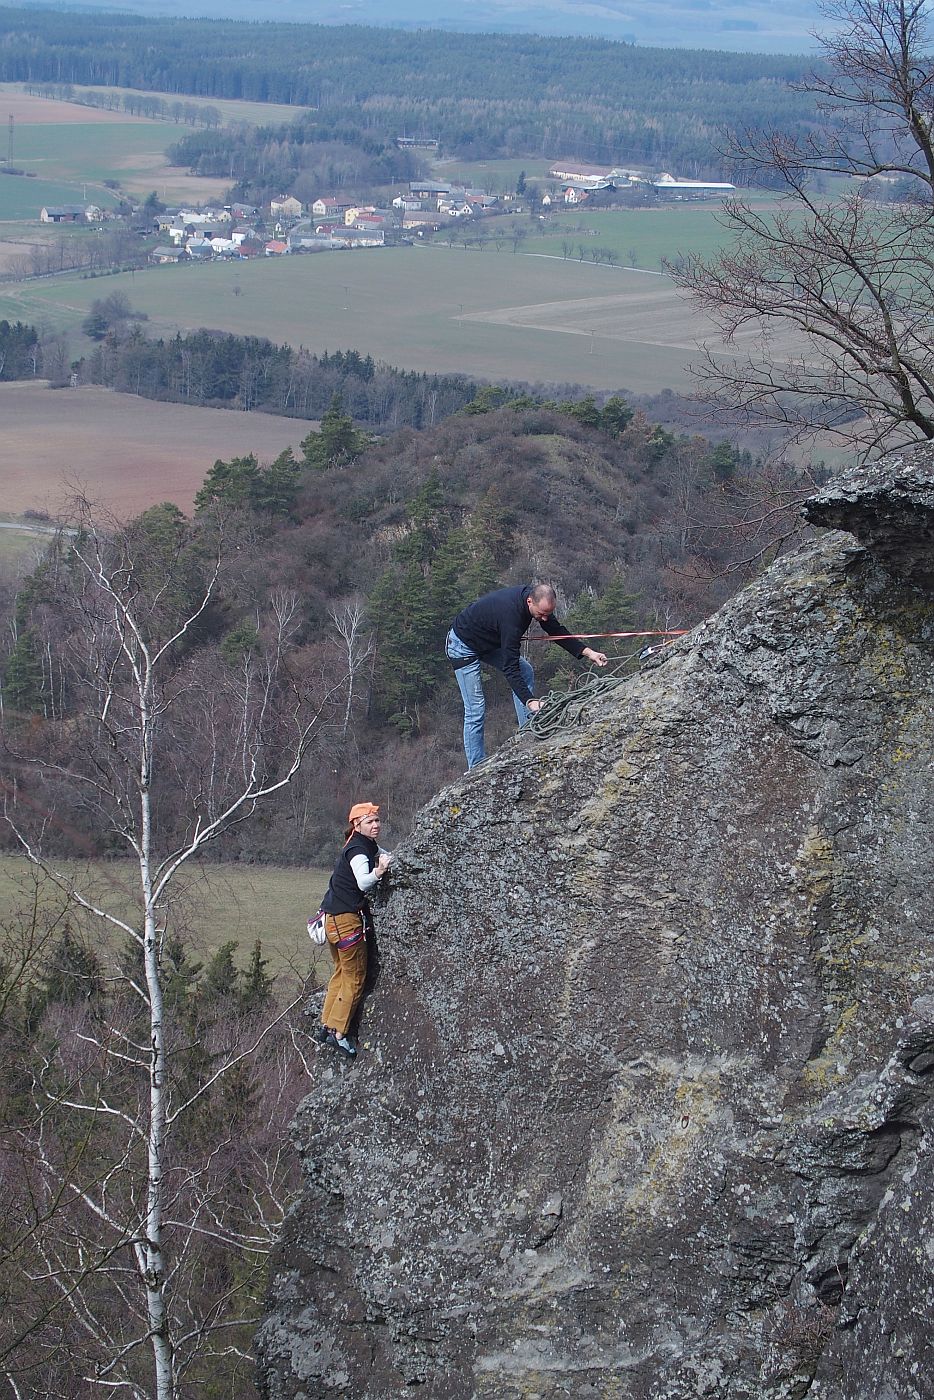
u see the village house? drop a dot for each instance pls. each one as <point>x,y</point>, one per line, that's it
<point>275,248</point>
<point>330,207</point>
<point>424,221</point>
<point>368,217</point>
<point>362,211</point>
<point>286,206</point>
<point>223,247</point>
<point>199,248</point>
<point>166,255</point>
<point>455,208</point>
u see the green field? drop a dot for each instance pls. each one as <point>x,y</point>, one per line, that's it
<point>492,314</point>
<point>652,234</point>
<point>209,907</point>
<point>20,549</point>
<point>22,198</point>
<point>494,176</point>
<point>76,152</point>
<point>69,150</point>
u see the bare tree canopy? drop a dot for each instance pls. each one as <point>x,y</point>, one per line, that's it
<point>847,278</point>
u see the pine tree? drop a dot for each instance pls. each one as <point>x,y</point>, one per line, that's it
<point>278,485</point>
<point>338,443</point>
<point>22,679</point>
<point>615,415</point>
<point>221,976</point>
<point>403,621</point>
<point>584,411</point>
<point>257,985</point>
<point>233,483</point>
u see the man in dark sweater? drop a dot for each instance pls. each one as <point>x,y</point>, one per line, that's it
<point>490,630</point>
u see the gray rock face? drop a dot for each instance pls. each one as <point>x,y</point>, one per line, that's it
<point>644,1108</point>
<point>889,507</point>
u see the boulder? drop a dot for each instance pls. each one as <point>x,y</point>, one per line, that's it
<point>643,1107</point>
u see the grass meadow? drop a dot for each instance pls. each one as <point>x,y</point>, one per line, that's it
<point>651,234</point>
<point>77,151</point>
<point>210,906</point>
<point>20,549</point>
<point>22,198</point>
<point>493,314</point>
<point>71,150</point>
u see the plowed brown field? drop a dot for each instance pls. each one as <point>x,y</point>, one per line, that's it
<point>123,452</point>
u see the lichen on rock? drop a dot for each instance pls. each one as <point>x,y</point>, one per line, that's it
<point>643,1108</point>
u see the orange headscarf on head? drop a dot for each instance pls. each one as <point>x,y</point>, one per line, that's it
<point>362,809</point>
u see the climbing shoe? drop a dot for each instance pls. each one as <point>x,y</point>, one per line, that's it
<point>345,1046</point>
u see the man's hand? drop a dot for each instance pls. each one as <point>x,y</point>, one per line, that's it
<point>533,706</point>
<point>597,657</point>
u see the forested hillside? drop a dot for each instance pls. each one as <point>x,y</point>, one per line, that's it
<point>480,94</point>
<point>635,527</point>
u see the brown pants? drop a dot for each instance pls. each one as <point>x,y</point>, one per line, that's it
<point>346,985</point>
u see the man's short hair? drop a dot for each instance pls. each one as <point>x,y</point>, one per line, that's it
<point>543,593</point>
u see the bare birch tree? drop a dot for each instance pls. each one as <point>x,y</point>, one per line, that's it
<point>166,747</point>
<point>349,621</point>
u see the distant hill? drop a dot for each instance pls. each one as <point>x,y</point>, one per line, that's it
<point>731,25</point>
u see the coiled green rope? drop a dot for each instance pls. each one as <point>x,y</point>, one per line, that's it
<point>563,710</point>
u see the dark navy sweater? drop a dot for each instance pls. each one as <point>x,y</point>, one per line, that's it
<point>493,628</point>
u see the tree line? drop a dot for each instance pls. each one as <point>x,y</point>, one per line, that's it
<point>215,369</point>
<point>138,104</point>
<point>305,157</point>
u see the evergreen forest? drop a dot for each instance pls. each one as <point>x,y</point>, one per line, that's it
<point>479,95</point>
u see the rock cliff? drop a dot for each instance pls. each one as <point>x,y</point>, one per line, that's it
<point>644,1108</point>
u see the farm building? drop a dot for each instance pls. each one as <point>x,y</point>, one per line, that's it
<point>691,189</point>
<point>428,189</point>
<point>62,214</point>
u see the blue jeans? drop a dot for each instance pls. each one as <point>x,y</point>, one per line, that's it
<point>471,689</point>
